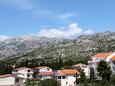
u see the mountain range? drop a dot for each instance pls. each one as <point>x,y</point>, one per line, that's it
<point>21,48</point>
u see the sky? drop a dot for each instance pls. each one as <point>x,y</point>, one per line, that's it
<point>56,18</point>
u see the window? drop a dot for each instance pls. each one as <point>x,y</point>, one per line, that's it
<point>40,76</point>
<point>28,75</point>
<point>28,70</point>
<point>59,77</point>
<point>17,80</point>
<point>66,83</point>
<point>63,77</point>
<point>48,69</point>
<point>74,75</point>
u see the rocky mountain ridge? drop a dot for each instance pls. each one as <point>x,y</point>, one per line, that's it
<point>19,49</point>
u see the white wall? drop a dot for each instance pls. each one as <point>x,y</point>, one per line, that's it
<point>87,71</point>
<point>7,81</point>
<point>24,73</point>
<point>46,77</point>
<point>68,81</point>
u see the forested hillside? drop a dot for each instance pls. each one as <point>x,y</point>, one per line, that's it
<point>56,53</point>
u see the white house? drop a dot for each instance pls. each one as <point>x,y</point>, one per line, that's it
<point>108,57</point>
<point>43,72</point>
<point>24,72</point>
<point>45,75</point>
<point>67,77</point>
<point>43,69</point>
<point>11,80</point>
<point>83,67</point>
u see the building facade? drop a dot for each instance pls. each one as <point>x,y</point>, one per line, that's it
<point>108,57</point>
<point>11,80</point>
<point>67,77</point>
<point>83,67</point>
<point>24,72</point>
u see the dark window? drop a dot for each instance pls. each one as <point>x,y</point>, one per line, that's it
<point>59,77</point>
<point>63,77</point>
<point>66,83</point>
<point>74,75</point>
<point>28,75</point>
<point>17,80</point>
<point>40,76</point>
<point>48,69</point>
<point>28,70</point>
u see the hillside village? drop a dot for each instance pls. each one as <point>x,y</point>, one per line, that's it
<point>57,42</point>
<point>65,76</point>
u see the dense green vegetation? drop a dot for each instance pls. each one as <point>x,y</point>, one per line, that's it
<point>47,82</point>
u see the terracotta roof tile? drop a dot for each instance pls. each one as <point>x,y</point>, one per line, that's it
<point>102,55</point>
<point>113,58</point>
<point>46,73</point>
<point>70,71</point>
<point>67,72</point>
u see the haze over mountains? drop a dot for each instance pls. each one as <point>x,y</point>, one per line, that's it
<point>33,47</point>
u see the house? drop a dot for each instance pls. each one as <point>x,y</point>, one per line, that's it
<point>67,77</point>
<point>45,75</point>
<point>43,72</point>
<point>108,57</point>
<point>83,67</point>
<point>24,72</point>
<point>11,80</point>
<point>42,69</point>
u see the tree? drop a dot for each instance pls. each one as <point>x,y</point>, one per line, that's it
<point>92,76</point>
<point>49,82</point>
<point>104,70</point>
<point>82,78</point>
<point>113,79</point>
<point>32,83</point>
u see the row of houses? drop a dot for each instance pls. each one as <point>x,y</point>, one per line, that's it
<point>19,76</point>
<point>67,77</point>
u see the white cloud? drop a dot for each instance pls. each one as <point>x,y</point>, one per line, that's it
<point>20,4</point>
<point>3,37</point>
<point>89,31</point>
<point>70,31</point>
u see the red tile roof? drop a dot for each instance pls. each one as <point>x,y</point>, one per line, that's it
<point>113,58</point>
<point>67,72</point>
<point>46,73</point>
<point>104,55</point>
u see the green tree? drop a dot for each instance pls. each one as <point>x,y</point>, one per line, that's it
<point>113,79</point>
<point>92,76</point>
<point>32,83</point>
<point>82,78</point>
<point>49,82</point>
<point>104,70</point>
